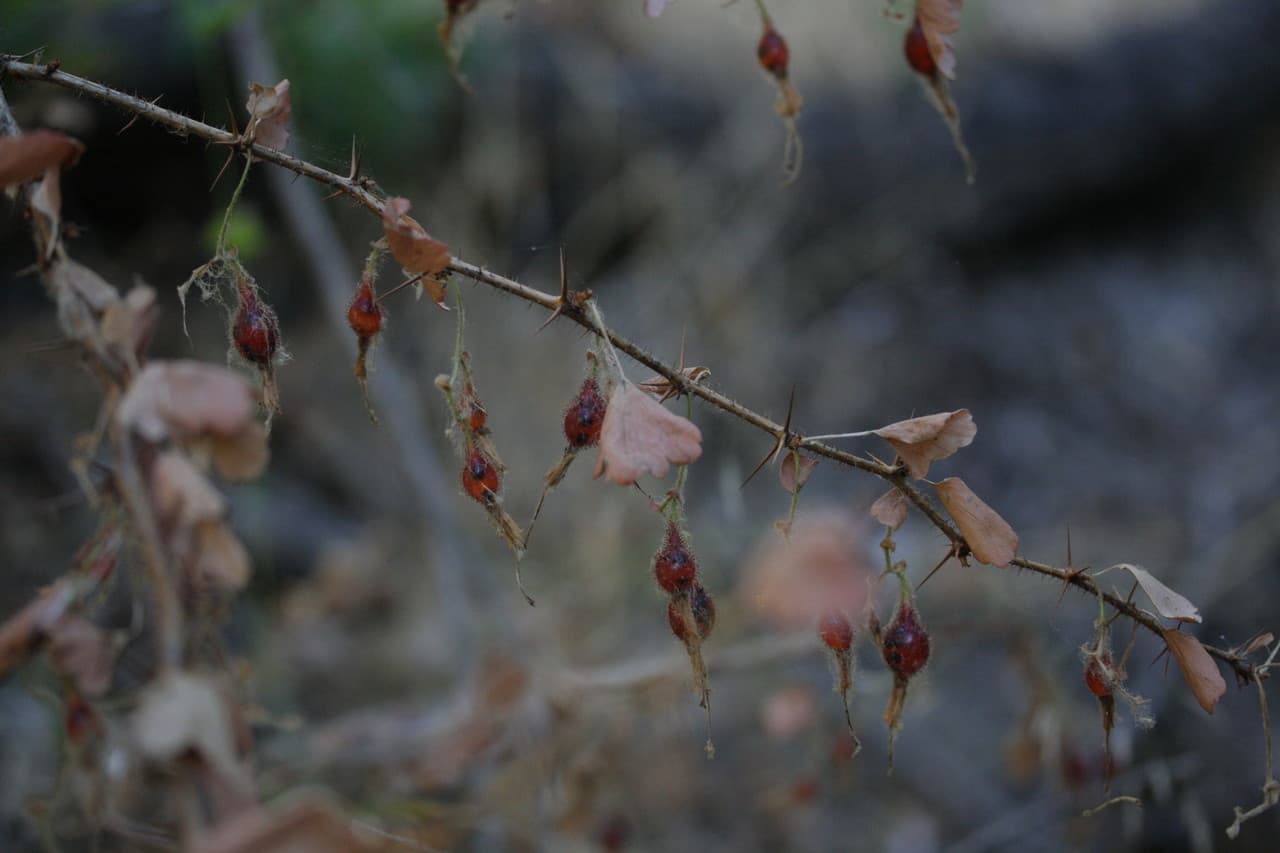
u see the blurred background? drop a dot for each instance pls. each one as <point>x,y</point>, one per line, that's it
<point>1104,300</point>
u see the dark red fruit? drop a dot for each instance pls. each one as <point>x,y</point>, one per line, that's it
<point>905,645</point>
<point>79,720</point>
<point>364,315</point>
<point>255,332</point>
<point>704,614</point>
<point>585,416</point>
<point>1094,678</point>
<point>480,477</point>
<point>478,417</point>
<point>773,52</point>
<point>916,48</point>
<point>674,567</point>
<point>835,631</point>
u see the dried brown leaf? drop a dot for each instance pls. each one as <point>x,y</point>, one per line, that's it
<point>640,437</point>
<point>926,439</point>
<point>793,476</point>
<point>890,509</point>
<point>184,399</point>
<point>940,20</point>
<point>179,713</point>
<point>183,496</point>
<point>307,826</point>
<point>1168,603</point>
<point>990,537</point>
<point>411,245</point>
<point>82,652</point>
<point>1199,670</point>
<point>221,560</point>
<point>241,456</point>
<point>269,108</point>
<point>128,324</point>
<point>29,155</point>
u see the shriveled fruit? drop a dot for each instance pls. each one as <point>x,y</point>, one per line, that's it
<point>674,567</point>
<point>905,645</point>
<point>364,315</point>
<point>478,417</point>
<point>773,53</point>
<point>1095,677</point>
<point>835,631</point>
<point>480,477</point>
<point>916,48</point>
<point>703,607</point>
<point>255,330</point>
<point>585,416</point>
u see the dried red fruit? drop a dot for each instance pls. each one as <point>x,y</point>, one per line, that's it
<point>255,330</point>
<point>365,313</point>
<point>674,567</point>
<point>905,644</point>
<point>478,417</point>
<point>480,477</point>
<point>773,52</point>
<point>835,631</point>
<point>916,48</point>
<point>1094,678</point>
<point>585,416</point>
<point>703,607</point>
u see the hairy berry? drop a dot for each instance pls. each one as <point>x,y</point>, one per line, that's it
<point>478,417</point>
<point>835,631</point>
<point>480,477</point>
<point>674,567</point>
<point>916,48</point>
<point>1094,678</point>
<point>255,331</point>
<point>364,315</point>
<point>773,52</point>
<point>905,644</point>
<point>585,416</point>
<point>704,614</point>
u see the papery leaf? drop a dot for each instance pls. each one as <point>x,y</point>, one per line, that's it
<point>1199,670</point>
<point>794,475</point>
<point>990,537</point>
<point>29,155</point>
<point>180,714</point>
<point>890,509</point>
<point>940,20</point>
<point>1168,603</point>
<point>186,398</point>
<point>926,439</point>
<point>411,245</point>
<point>269,108</point>
<point>640,437</point>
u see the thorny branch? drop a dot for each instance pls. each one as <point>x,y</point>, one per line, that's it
<point>364,191</point>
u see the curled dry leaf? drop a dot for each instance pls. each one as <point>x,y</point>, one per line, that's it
<point>1199,670</point>
<point>193,514</point>
<point>1168,603</point>
<point>186,398</point>
<point>793,474</point>
<point>269,108</point>
<point>664,389</point>
<point>640,437</point>
<point>990,537</point>
<point>29,155</point>
<point>790,585</point>
<point>410,244</point>
<point>221,559</point>
<point>179,712</point>
<point>128,324</point>
<point>940,20</point>
<point>82,652</point>
<point>890,509</point>
<point>926,439</point>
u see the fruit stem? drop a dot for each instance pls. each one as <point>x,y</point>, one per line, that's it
<point>603,333</point>
<point>231,206</point>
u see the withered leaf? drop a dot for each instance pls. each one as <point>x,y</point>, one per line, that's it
<point>940,20</point>
<point>221,559</point>
<point>640,437</point>
<point>269,108</point>
<point>182,495</point>
<point>186,398</point>
<point>179,712</point>
<point>128,324</point>
<point>241,456</point>
<point>29,155</point>
<point>23,633</point>
<point>1199,670</point>
<point>890,509</point>
<point>926,439</point>
<point>83,652</point>
<point>990,537</point>
<point>794,475</point>
<point>410,244</point>
<point>1168,603</point>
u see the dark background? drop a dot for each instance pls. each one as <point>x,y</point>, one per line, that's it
<point>1104,301</point>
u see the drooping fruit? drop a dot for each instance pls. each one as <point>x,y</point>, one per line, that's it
<point>1094,675</point>
<point>703,607</point>
<point>916,48</point>
<point>585,416</point>
<point>835,631</point>
<point>905,644</point>
<point>674,567</point>
<point>364,315</point>
<point>478,417</point>
<point>772,51</point>
<point>255,330</point>
<point>480,477</point>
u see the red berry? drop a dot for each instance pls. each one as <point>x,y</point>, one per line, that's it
<point>255,332</point>
<point>585,416</point>
<point>835,631</point>
<point>480,477</point>
<point>674,567</point>
<point>704,614</point>
<point>773,52</point>
<point>365,314</point>
<point>478,417</point>
<point>916,48</point>
<point>905,645</point>
<point>1094,678</point>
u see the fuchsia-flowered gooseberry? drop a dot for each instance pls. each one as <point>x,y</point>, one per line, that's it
<point>674,567</point>
<point>480,477</point>
<point>905,644</point>
<point>585,416</point>
<point>364,314</point>
<point>255,330</point>
<point>835,631</point>
<point>772,51</point>
<point>703,607</point>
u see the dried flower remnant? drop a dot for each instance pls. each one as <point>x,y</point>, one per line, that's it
<point>836,633</point>
<point>703,608</point>
<point>255,335</point>
<point>269,110</point>
<point>928,51</point>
